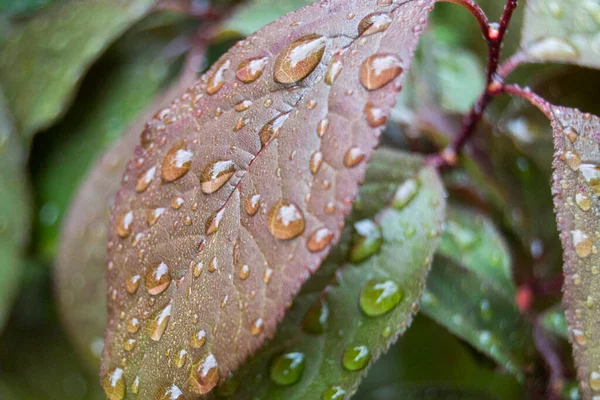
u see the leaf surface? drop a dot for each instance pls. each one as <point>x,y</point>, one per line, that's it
<point>241,186</point>
<point>562,31</point>
<point>42,63</point>
<point>324,324</point>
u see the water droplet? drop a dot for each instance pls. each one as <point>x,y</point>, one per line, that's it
<point>334,392</point>
<point>285,220</point>
<point>215,175</point>
<point>287,368</point>
<point>299,59</point>
<point>322,127</point>
<point>591,174</point>
<point>213,265</point>
<point>315,162</point>
<point>132,283</point>
<point>579,337</point>
<point>315,320</point>
<point>177,202</point>
<point>378,297</point>
<point>356,358</point>
<point>253,204</point>
<point>571,133</point>
<point>145,179</point>
<point>129,344</point>
<point>271,129</point>
<point>583,201</point>
<point>135,386</point>
<point>204,375</point>
<point>366,240</point>
<point>198,339</point>
<point>384,3</point>
<point>243,105</point>
<point>113,384</point>
<point>375,116</point>
<point>319,239</point>
<point>158,322</point>
<point>158,278</point>
<point>573,160</point>
<point>267,275</point>
<point>354,156</point>
<point>176,163</point>
<point>379,69</point>
<point>216,81</point>
<point>244,272</point>
<point>250,70</point>
<point>169,393</point>
<point>374,23</point>
<point>133,325</point>
<point>583,243</point>
<point>405,193</point>
<point>212,224</point>
<point>123,224</point>
<point>595,381</point>
<point>256,327</point>
<point>333,70</point>
<point>198,268</point>
<point>154,215</point>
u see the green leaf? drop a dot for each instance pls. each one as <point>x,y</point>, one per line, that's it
<point>14,211</point>
<point>470,291</point>
<point>562,31</point>
<point>409,239</point>
<point>10,7</point>
<point>554,320</point>
<point>42,63</point>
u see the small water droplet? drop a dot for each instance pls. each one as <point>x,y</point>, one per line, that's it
<point>177,202</point>
<point>583,243</point>
<point>315,320</point>
<point>315,162</point>
<point>133,325</point>
<point>157,324</point>
<point>287,368</point>
<point>243,105</point>
<point>333,70</point>
<point>216,81</point>
<point>250,70</point>
<point>375,116</point>
<point>379,69</point>
<point>579,337</point>
<point>571,133</point>
<point>215,175</point>
<point>366,240</point>
<point>176,163</point>
<point>591,174</point>
<point>132,283</point>
<point>244,272</point>
<point>322,127</point>
<point>583,201</point>
<point>198,339</point>
<point>123,224</point>
<point>573,160</point>
<point>595,381</point>
<point>267,275</point>
<point>154,215</point>
<point>145,179</point>
<point>299,59</point>
<point>285,220</point>
<point>354,156</point>
<point>253,204</point>
<point>356,358</point>
<point>212,224</point>
<point>256,327</point>
<point>319,239</point>
<point>204,375</point>
<point>334,392</point>
<point>374,23</point>
<point>135,386</point>
<point>378,297</point>
<point>113,384</point>
<point>405,193</point>
<point>213,265</point>
<point>158,278</point>
<point>271,130</point>
<point>129,344</point>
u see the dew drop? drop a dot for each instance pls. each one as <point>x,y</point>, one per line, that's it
<point>573,160</point>
<point>583,201</point>
<point>271,129</point>
<point>213,265</point>
<point>157,324</point>
<point>154,215</point>
<point>405,193</point>
<point>256,327</point>
<point>123,224</point>
<point>583,243</point>
<point>215,175</point>
<point>267,275</point>
<point>333,70</point>
<point>252,204</point>
<point>571,133</point>
<point>132,283</point>
<point>212,224</point>
<point>374,23</point>
<point>129,344</point>
<point>113,384</point>
<point>287,368</point>
<point>591,174</point>
<point>366,240</point>
<point>145,179</point>
<point>198,339</point>
<point>244,272</point>
<point>378,297</point>
<point>334,392</point>
<point>356,358</point>
<point>315,162</point>
<point>250,70</point>
<point>158,278</point>
<point>285,220</point>
<point>375,116</point>
<point>197,269</point>
<point>177,202</point>
<point>353,157</point>
<point>133,325</point>
<point>243,105</point>
<point>595,381</point>
<point>322,127</point>
<point>204,375</point>
<point>299,59</point>
<point>169,393</point>
<point>216,81</point>
<point>379,69</point>
<point>579,337</point>
<point>135,386</point>
<point>176,163</point>
<point>315,320</point>
<point>319,239</point>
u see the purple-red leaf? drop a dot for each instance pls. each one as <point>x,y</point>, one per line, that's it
<point>239,189</point>
<point>576,187</point>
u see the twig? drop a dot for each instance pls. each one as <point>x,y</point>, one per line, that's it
<point>525,93</point>
<point>548,352</point>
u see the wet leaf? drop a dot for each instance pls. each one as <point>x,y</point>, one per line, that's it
<point>562,31</point>
<point>187,218</point>
<point>367,305</point>
<point>470,291</point>
<point>14,211</point>
<point>554,320</point>
<point>576,186</point>
<point>42,63</point>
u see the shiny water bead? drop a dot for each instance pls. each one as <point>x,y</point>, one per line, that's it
<point>129,344</point>
<point>257,326</point>
<point>316,159</point>
<point>366,240</point>
<point>405,193</point>
<point>214,221</point>
<point>123,224</point>
<point>177,202</point>
<point>573,160</point>
<point>315,320</point>
<point>595,381</point>
<point>145,179</point>
<point>252,204</point>
<point>333,69</point>
<point>591,174</point>
<point>285,220</point>
<point>132,282</point>
<point>171,392</point>
<point>571,133</point>
<point>243,105</point>
<point>583,243</point>
<point>287,368</point>
<point>319,239</point>
<point>177,162</point>
<point>374,23</point>
<point>133,325</point>
<point>583,201</point>
<point>375,116</point>
<point>356,358</point>
<point>250,70</point>
<point>158,278</point>
<point>379,69</point>
<point>204,375</point>
<point>213,264</point>
<point>198,339</point>
<point>244,272</point>
<point>197,269</point>
<point>322,127</point>
<point>334,393</point>
<point>354,156</point>
<point>154,215</point>
<point>113,384</point>
<point>215,175</point>
<point>299,59</point>
<point>216,81</point>
<point>157,324</point>
<point>135,386</point>
<point>378,297</point>
<point>271,129</point>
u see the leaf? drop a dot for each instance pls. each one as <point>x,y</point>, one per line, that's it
<point>195,179</point>
<point>10,7</point>
<point>576,186</point>
<point>350,319</point>
<point>470,291</point>
<point>562,31</point>
<point>554,320</point>
<point>14,211</point>
<point>42,63</point>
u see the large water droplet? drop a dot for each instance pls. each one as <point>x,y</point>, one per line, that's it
<point>250,70</point>
<point>379,69</point>
<point>591,174</point>
<point>145,179</point>
<point>287,368</point>
<point>285,220</point>
<point>123,224</point>
<point>176,163</point>
<point>198,339</point>
<point>374,23</point>
<point>216,81</point>
<point>319,239</point>
<point>378,297</point>
<point>356,358</point>
<point>158,322</point>
<point>583,243</point>
<point>215,175</point>
<point>354,156</point>
<point>113,384</point>
<point>204,375</point>
<point>366,241</point>
<point>315,320</point>
<point>405,193</point>
<point>299,59</point>
<point>158,278</point>
<point>154,215</point>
